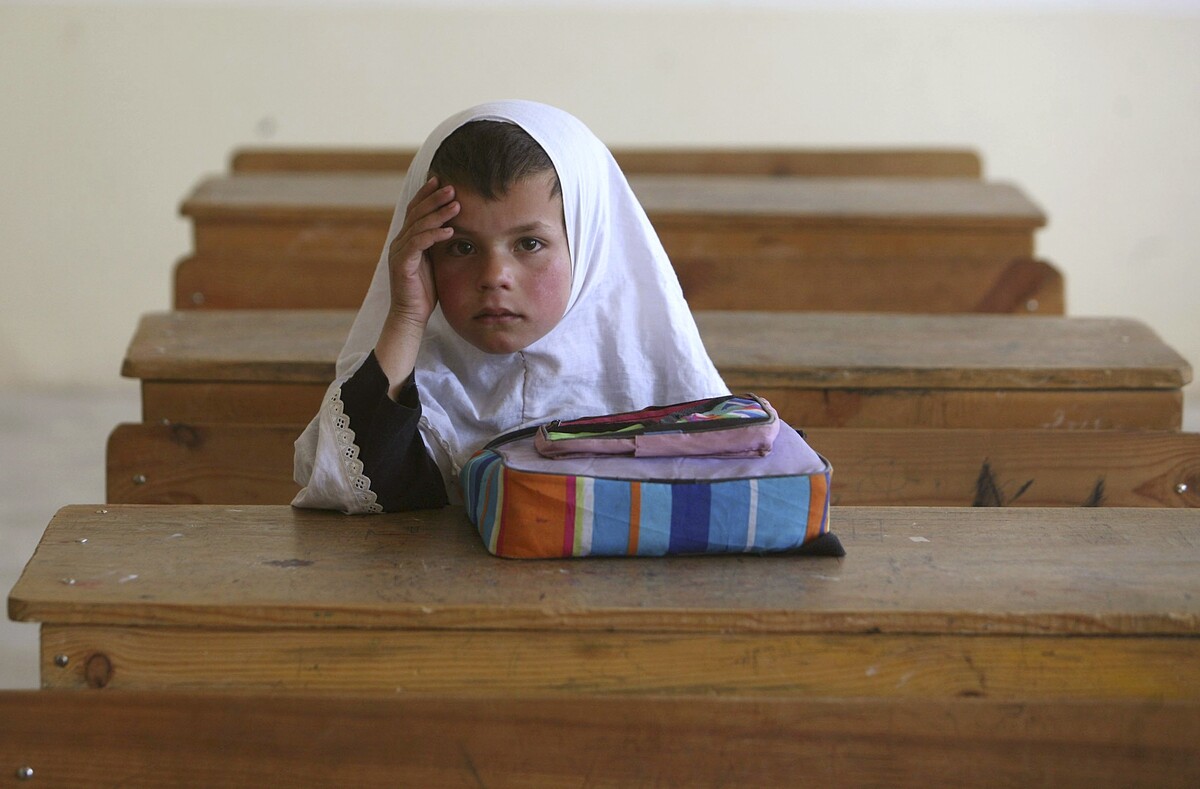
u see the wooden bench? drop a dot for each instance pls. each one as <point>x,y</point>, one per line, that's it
<point>1003,604</point>
<point>848,370</point>
<point>812,163</point>
<point>926,411</point>
<point>312,240</point>
<point>253,740</point>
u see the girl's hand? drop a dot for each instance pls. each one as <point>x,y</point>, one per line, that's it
<point>411,279</point>
<point>413,293</point>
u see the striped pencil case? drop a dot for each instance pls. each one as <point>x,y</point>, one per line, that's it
<point>528,505</point>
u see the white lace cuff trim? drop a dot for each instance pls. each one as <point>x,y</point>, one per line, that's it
<point>364,497</point>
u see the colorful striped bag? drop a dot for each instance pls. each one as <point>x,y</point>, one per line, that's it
<point>710,496</point>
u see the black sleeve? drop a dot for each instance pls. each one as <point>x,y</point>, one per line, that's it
<point>403,475</point>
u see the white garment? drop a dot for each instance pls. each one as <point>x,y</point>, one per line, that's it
<point>626,341</point>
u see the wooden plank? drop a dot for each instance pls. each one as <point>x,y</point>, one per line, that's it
<point>835,350</point>
<point>203,740</point>
<point>330,227</point>
<point>1003,468</point>
<point>254,598</point>
<point>208,402</point>
<point>785,201</point>
<point>347,215</point>
<point>231,402</point>
<point>182,463</point>
<point>965,409</point>
<point>252,464</point>
<point>799,282</point>
<point>563,660</point>
<point>931,285</point>
<point>817,162</point>
<point>793,350</point>
<point>908,571</point>
<point>851,370</point>
<point>259,346</point>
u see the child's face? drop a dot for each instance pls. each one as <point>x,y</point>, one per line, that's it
<point>504,277</point>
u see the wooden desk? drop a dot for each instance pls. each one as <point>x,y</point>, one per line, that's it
<point>254,740</point>
<point>816,162</point>
<point>852,370</point>
<point>928,603</point>
<point>312,240</point>
<point>915,411</point>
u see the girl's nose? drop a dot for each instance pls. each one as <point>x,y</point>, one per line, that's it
<point>496,271</point>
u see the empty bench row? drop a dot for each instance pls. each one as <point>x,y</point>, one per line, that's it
<point>935,410</point>
<point>312,240</point>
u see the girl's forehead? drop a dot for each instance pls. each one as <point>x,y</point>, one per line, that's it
<point>528,201</point>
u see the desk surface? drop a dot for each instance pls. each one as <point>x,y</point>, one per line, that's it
<point>908,570</point>
<point>840,350</point>
<point>877,201</point>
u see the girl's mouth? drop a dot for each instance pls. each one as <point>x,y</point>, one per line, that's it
<point>496,314</point>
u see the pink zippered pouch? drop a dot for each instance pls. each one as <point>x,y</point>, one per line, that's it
<point>743,425</point>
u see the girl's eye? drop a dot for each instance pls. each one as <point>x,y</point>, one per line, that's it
<point>529,245</point>
<point>460,247</point>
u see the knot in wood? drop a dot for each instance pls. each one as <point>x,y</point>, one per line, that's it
<point>98,670</point>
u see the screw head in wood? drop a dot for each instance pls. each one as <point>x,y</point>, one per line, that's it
<point>139,479</point>
<point>197,298</point>
<point>1032,305</point>
<point>61,660</point>
<point>24,773</point>
<point>1181,488</point>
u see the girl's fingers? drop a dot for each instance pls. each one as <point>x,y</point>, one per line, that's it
<point>429,197</point>
<point>434,220</point>
<point>415,243</point>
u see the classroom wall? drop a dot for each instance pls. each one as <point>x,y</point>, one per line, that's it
<point>112,111</point>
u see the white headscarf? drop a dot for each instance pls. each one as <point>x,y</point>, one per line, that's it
<point>626,341</point>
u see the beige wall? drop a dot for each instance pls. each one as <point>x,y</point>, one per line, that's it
<point>110,112</point>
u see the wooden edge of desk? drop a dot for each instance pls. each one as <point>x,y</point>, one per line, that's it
<point>71,582</point>
<point>302,345</point>
<point>196,739</point>
<point>683,200</point>
<point>879,162</point>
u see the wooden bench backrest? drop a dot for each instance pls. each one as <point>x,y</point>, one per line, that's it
<point>189,463</point>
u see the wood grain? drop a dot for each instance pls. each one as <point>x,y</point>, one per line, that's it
<point>852,162</point>
<point>203,740</point>
<point>711,279</point>
<point>210,402</point>
<point>953,202</point>
<point>191,463</point>
<point>799,350</point>
<point>562,660</point>
<point>934,571</point>
<point>181,463</point>
<point>1005,468</point>
<point>330,227</point>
